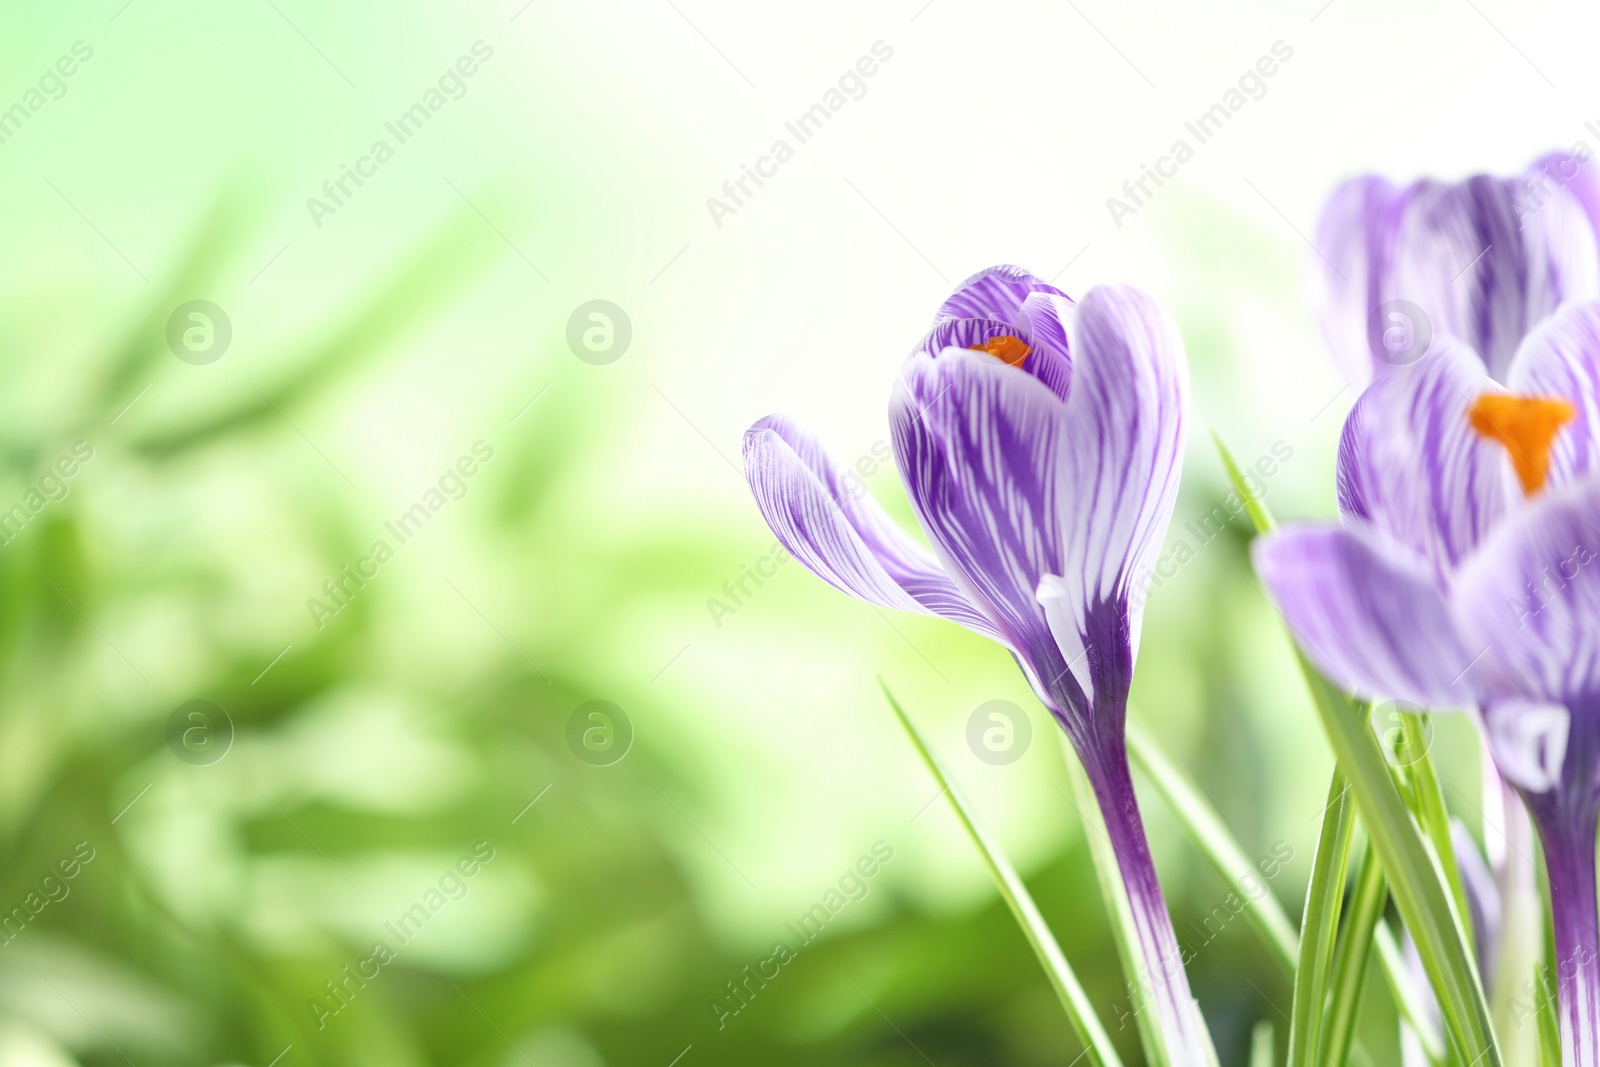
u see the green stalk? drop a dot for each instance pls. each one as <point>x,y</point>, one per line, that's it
<point>1210,835</point>
<point>1407,999</point>
<point>1424,902</point>
<point>1124,934</point>
<point>1544,984</point>
<point>1324,897</point>
<point>1098,1048</point>
<point>1261,1045</point>
<point>1431,814</point>
<point>1350,958</point>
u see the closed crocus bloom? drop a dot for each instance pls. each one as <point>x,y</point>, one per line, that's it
<point>1039,441</point>
<point>1466,573</point>
<point>1484,260</point>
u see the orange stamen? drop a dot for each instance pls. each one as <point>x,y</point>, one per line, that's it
<point>1527,427</point>
<point>1008,350</point>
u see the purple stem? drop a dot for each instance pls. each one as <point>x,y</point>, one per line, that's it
<point>1163,985</point>
<point>1568,835</point>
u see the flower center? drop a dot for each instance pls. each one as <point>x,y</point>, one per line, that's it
<point>1526,426</point>
<point>1008,350</point>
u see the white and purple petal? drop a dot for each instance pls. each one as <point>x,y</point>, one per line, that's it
<point>1487,266</point>
<point>1528,740</point>
<point>1484,259</point>
<point>1562,359</point>
<point>1117,480</point>
<point>1355,236</point>
<point>1411,465</point>
<point>1009,301</point>
<point>978,444</point>
<point>1530,598</point>
<point>841,533</point>
<point>1369,613</point>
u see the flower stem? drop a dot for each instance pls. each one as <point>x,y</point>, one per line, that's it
<point>1162,983</point>
<point>1569,851</point>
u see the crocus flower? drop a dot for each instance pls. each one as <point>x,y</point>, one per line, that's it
<point>1039,442</point>
<point>1466,574</point>
<point>1483,260</point>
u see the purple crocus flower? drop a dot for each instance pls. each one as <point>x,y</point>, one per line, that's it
<point>1467,574</point>
<point>1039,441</point>
<point>1483,260</point>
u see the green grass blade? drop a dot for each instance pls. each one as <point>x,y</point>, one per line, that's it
<point>1407,999</point>
<point>1260,517</point>
<point>1261,1045</point>
<point>1428,798</point>
<point>1124,934</point>
<point>1351,956</point>
<point>1545,1003</point>
<point>1324,898</point>
<point>1210,835</point>
<point>1424,902</point>
<point>1098,1047</point>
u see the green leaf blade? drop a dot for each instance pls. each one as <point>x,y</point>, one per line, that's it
<point>1216,843</point>
<point>1424,902</point>
<point>1351,956</point>
<point>1098,1049</point>
<point>1324,898</point>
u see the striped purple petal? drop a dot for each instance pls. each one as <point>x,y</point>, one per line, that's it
<point>1562,358</point>
<point>1368,612</point>
<point>1411,465</point>
<point>1117,481</point>
<point>1009,301</point>
<point>1355,236</point>
<point>1575,175</point>
<point>1484,260</point>
<point>998,292</point>
<point>978,444</point>
<point>1530,598</point>
<point>1528,739</point>
<point>1487,264</point>
<point>841,533</point>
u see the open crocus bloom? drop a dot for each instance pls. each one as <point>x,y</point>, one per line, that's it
<point>1483,260</point>
<point>1040,444</point>
<point>1467,574</point>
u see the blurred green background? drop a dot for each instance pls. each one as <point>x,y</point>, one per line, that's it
<point>352,764</point>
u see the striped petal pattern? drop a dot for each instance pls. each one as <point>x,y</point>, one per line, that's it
<point>1411,465</point>
<point>1485,260</point>
<point>841,533</point>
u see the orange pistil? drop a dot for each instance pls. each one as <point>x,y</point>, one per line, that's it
<point>1008,350</point>
<point>1526,426</point>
